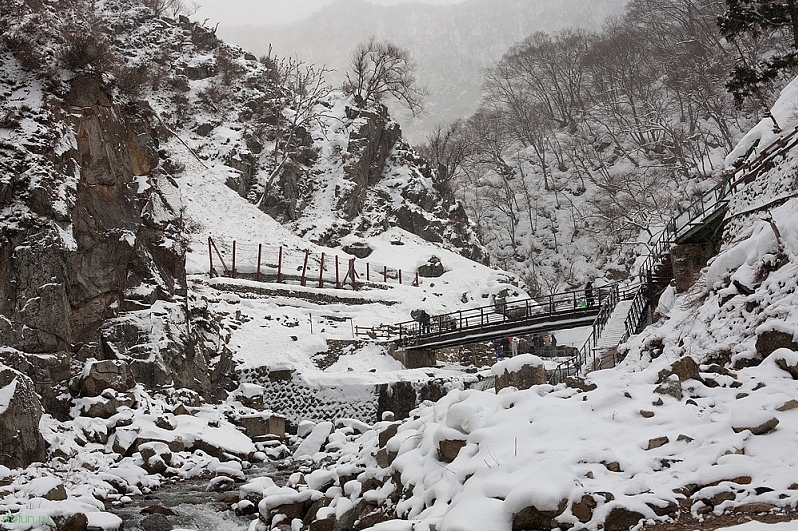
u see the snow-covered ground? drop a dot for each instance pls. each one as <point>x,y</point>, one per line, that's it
<point>656,436</point>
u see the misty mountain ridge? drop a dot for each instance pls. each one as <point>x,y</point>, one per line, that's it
<point>450,44</point>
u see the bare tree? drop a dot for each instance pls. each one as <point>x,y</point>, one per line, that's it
<point>306,89</point>
<point>172,7</point>
<point>380,70</point>
<point>447,149</point>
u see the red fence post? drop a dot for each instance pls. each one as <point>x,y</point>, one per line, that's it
<point>233,272</point>
<point>400,276</point>
<point>385,274</point>
<point>260,250</point>
<point>321,272</point>
<point>337,275</point>
<point>305,267</point>
<point>210,256</point>
<point>221,259</point>
<point>415,283</point>
<point>280,265</point>
<point>368,276</point>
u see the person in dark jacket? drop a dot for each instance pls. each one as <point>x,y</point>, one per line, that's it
<point>589,295</point>
<point>423,319</point>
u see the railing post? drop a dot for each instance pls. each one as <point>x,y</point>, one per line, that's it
<point>353,272</point>
<point>368,275</point>
<point>260,251</point>
<point>385,273</point>
<point>400,276</point>
<point>337,274</point>
<point>305,267</point>
<point>210,256</point>
<point>233,272</point>
<point>321,272</point>
<point>280,266</point>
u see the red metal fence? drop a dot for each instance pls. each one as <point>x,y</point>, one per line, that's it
<point>278,263</point>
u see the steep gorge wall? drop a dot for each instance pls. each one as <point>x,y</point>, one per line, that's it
<point>91,264</point>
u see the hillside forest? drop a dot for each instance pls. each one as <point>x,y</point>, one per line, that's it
<point>586,142</point>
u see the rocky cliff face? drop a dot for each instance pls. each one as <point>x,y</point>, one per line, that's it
<point>91,264</point>
<point>379,181</point>
<point>21,442</point>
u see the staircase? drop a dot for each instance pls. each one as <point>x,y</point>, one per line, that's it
<point>611,337</point>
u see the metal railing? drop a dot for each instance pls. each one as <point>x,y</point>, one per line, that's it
<point>640,304</point>
<point>501,311</point>
<point>587,353</point>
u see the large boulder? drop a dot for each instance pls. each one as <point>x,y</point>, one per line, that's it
<point>433,268</point>
<point>768,341</point>
<point>521,372</point>
<point>21,442</point>
<point>107,374</point>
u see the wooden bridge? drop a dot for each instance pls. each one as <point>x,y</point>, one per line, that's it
<point>558,311</point>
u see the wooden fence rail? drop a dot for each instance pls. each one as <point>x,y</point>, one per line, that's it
<point>280,263</point>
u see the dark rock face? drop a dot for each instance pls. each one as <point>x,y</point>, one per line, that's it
<point>432,269</point>
<point>95,245</point>
<point>21,443</point>
<point>524,378</point>
<point>50,374</point>
<point>771,340</point>
<point>401,398</point>
<point>621,519</point>
<point>369,147</point>
<point>358,249</point>
<point>532,518</point>
<point>108,374</point>
<point>448,449</point>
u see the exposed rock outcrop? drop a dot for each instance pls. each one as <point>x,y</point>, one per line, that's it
<point>98,244</point>
<point>21,443</point>
<point>521,372</point>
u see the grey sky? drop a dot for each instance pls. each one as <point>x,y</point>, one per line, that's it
<point>262,12</point>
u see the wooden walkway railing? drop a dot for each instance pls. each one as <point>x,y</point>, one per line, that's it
<point>556,311</point>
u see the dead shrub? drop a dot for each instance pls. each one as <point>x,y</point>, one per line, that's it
<point>84,49</point>
<point>130,80</point>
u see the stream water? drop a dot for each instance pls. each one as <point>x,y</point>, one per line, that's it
<point>193,506</point>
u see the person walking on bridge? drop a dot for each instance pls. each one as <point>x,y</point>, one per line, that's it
<point>514,346</point>
<point>423,319</point>
<point>589,294</point>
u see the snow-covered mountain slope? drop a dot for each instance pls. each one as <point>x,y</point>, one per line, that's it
<point>126,141</point>
<point>697,425</point>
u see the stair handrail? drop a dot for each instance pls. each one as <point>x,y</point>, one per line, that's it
<point>573,364</point>
<point>639,304</point>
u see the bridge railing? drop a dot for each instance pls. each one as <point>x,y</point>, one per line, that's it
<point>708,203</point>
<point>501,311</point>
